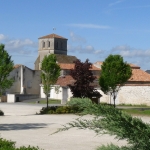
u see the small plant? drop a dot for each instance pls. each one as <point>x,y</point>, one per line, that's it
<point>49,110</point>
<point>113,147</point>
<point>10,145</point>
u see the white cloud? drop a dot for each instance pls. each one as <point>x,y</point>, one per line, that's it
<point>93,26</point>
<point>121,48</point>
<point>25,46</point>
<point>128,51</point>
<point>116,2</point>
<point>133,55</point>
<point>77,38</point>
<point>2,37</point>
<point>19,46</point>
<point>84,49</point>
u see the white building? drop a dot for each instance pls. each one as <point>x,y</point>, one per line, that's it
<point>28,81</point>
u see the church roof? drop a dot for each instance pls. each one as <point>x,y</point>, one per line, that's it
<point>65,58</point>
<point>52,36</point>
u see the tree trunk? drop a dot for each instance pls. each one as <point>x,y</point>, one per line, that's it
<point>47,100</point>
<point>114,100</point>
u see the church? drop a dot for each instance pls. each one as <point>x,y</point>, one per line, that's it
<point>27,82</point>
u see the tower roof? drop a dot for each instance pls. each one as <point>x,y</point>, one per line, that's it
<point>52,36</point>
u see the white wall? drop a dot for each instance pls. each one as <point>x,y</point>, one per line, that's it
<point>134,95</point>
<point>126,95</point>
<point>129,95</point>
<point>11,98</point>
<point>53,93</point>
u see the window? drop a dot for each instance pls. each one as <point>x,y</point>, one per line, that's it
<point>61,45</point>
<point>57,45</point>
<point>43,45</point>
<point>49,44</point>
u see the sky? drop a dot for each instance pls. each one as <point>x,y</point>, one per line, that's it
<point>94,28</point>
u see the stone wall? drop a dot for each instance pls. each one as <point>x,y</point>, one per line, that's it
<point>134,95</point>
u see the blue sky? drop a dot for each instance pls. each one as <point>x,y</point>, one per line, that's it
<point>94,28</point>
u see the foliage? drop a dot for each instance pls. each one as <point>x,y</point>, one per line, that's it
<point>115,72</point>
<point>50,73</point>
<point>83,78</point>
<point>113,147</point>
<point>6,66</point>
<point>79,103</point>
<point>1,113</point>
<point>10,145</point>
<point>59,110</point>
<point>115,122</point>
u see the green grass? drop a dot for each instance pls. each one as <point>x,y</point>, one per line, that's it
<point>138,111</point>
<point>131,105</point>
<point>50,101</point>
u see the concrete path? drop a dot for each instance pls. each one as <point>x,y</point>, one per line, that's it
<point>20,124</point>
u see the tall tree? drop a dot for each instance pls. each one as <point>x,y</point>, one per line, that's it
<point>6,66</point>
<point>83,78</point>
<point>50,73</point>
<point>115,72</point>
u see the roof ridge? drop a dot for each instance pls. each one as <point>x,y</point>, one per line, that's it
<point>53,35</point>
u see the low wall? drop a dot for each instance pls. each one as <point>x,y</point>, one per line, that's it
<point>20,97</point>
<point>12,98</point>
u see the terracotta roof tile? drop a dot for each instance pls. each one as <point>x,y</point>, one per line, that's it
<point>139,75</point>
<point>52,36</point>
<point>65,80</point>
<point>71,66</point>
<point>17,66</point>
<point>66,66</point>
<point>134,66</point>
<point>99,63</point>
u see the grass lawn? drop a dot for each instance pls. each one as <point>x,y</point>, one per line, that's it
<point>50,101</point>
<point>129,105</point>
<point>138,111</point>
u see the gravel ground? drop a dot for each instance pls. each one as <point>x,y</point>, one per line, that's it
<point>21,125</point>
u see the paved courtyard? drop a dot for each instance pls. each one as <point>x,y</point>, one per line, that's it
<point>20,124</point>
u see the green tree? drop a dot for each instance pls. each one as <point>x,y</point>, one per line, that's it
<point>115,72</point>
<point>50,73</point>
<point>6,66</point>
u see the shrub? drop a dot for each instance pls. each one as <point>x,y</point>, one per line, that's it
<point>79,104</point>
<point>113,147</point>
<point>10,145</point>
<point>49,110</point>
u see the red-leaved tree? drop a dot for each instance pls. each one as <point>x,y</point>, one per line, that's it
<point>83,77</point>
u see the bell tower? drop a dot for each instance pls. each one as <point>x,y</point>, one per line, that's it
<point>50,44</point>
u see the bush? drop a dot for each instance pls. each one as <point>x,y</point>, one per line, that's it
<point>10,145</point>
<point>49,110</point>
<point>1,113</point>
<point>79,104</point>
<point>113,147</point>
<point>58,110</point>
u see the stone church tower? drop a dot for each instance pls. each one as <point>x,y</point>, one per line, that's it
<point>50,44</point>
